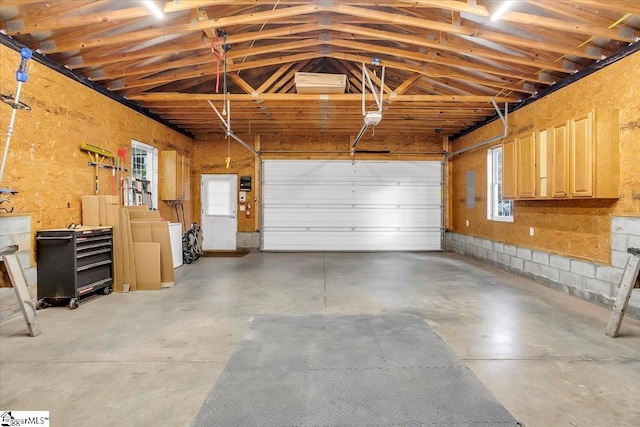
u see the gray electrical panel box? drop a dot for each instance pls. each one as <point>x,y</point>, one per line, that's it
<point>245,183</point>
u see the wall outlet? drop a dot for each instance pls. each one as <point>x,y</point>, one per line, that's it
<point>530,231</point>
<point>242,209</point>
<point>467,223</point>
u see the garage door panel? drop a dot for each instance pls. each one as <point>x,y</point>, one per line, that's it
<point>325,240</point>
<point>368,205</point>
<point>360,170</point>
<point>345,171</point>
<point>317,194</point>
<point>354,217</point>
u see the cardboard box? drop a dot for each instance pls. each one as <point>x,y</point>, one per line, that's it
<point>147,261</point>
<point>91,211</point>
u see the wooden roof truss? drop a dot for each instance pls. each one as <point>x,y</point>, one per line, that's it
<point>445,59</point>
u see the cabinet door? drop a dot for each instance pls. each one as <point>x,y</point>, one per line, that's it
<point>186,178</point>
<point>559,139</point>
<point>168,166</point>
<point>544,158</point>
<point>180,177</point>
<point>508,170</point>
<point>526,166</point>
<point>581,148</point>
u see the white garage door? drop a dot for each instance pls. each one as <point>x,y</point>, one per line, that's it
<point>341,206</point>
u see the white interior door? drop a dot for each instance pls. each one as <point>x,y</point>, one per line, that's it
<point>219,216</point>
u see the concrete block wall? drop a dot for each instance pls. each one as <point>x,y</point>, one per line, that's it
<point>248,240</point>
<point>594,282</point>
<point>15,229</point>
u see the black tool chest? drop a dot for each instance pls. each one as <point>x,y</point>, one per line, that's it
<point>73,263</point>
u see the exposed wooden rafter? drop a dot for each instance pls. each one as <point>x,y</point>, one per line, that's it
<point>444,59</point>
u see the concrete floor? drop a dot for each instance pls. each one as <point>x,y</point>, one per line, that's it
<point>151,358</point>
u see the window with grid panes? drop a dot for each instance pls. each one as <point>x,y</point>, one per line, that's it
<point>497,208</point>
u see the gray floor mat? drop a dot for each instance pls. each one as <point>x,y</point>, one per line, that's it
<point>362,370</point>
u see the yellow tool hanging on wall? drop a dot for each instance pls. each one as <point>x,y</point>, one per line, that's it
<point>97,155</point>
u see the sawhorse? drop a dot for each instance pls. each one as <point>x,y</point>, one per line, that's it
<point>19,283</point>
<point>629,281</point>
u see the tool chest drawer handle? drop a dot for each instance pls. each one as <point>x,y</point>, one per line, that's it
<point>92,253</point>
<point>88,239</point>
<point>95,264</point>
<point>97,245</point>
<point>54,238</point>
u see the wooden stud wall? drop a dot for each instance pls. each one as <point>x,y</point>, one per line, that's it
<point>210,154</point>
<point>577,228</point>
<point>209,158</point>
<point>45,163</point>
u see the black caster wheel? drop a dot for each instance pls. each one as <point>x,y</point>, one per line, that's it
<point>73,303</point>
<point>106,290</point>
<point>41,304</point>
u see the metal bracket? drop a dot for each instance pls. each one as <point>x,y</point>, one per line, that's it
<point>503,119</point>
<point>227,126</point>
<point>367,79</point>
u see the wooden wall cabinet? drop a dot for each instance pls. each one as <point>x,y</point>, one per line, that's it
<point>590,167</point>
<point>581,149</point>
<point>175,171</point>
<point>518,168</point>
<point>509,172</point>
<point>558,163</point>
<point>543,172</point>
<point>526,166</point>
<point>578,158</point>
<point>186,178</point>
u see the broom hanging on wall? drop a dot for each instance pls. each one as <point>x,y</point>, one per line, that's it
<point>97,155</point>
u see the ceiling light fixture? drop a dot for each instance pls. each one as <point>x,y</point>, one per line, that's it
<point>153,7</point>
<point>502,9</point>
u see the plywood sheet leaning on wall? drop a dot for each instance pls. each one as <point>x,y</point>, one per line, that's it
<point>147,261</point>
<point>126,256</point>
<point>130,261</point>
<point>141,231</point>
<point>113,219</point>
<point>160,234</point>
<point>149,228</point>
